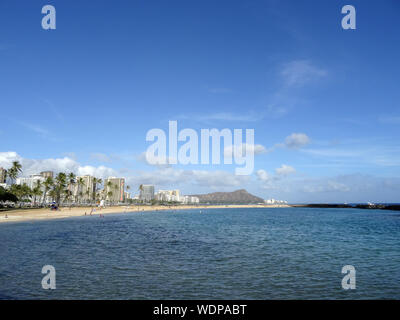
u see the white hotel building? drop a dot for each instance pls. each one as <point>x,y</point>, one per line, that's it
<point>174,196</point>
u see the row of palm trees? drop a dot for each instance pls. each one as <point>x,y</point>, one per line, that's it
<point>64,187</point>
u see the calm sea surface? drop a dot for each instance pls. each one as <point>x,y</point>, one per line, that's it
<point>285,253</point>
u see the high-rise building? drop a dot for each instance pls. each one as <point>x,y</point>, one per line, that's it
<point>194,200</point>
<point>114,189</point>
<point>189,200</point>
<point>3,175</point>
<point>47,174</point>
<point>146,192</point>
<point>168,195</point>
<point>163,195</point>
<point>174,196</point>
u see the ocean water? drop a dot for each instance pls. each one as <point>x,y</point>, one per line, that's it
<point>276,253</point>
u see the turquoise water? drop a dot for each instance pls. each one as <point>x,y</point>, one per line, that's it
<point>282,253</point>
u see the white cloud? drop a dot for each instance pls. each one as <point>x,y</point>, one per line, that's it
<point>6,158</point>
<point>171,177</point>
<point>216,179</point>
<point>152,160</point>
<point>351,188</point>
<point>276,181</point>
<point>263,175</point>
<point>99,172</point>
<point>32,166</point>
<point>285,170</point>
<point>162,177</point>
<point>296,140</point>
<point>66,164</point>
<point>281,184</point>
<point>301,72</point>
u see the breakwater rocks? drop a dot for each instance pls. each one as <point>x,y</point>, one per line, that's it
<point>321,205</point>
<point>392,207</point>
<point>354,206</point>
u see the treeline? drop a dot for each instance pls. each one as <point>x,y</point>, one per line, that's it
<point>64,187</point>
<point>7,196</point>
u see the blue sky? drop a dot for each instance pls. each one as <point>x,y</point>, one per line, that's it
<point>82,97</point>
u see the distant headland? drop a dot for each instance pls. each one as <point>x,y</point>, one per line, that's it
<point>236,197</point>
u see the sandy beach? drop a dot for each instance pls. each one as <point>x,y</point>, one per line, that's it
<point>20,215</point>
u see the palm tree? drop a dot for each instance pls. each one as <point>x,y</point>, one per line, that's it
<point>108,186</point>
<point>80,196</point>
<point>71,182</point>
<point>21,191</point>
<point>96,181</point>
<point>37,191</point>
<point>5,175</point>
<point>115,188</point>
<point>53,193</point>
<point>48,184</point>
<point>98,197</point>
<point>60,185</point>
<point>141,188</point>
<point>87,194</point>
<point>127,189</point>
<point>14,171</point>
<point>26,191</point>
<point>110,194</point>
<point>67,195</point>
<point>80,182</point>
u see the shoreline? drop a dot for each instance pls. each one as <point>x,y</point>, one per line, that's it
<point>37,214</point>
